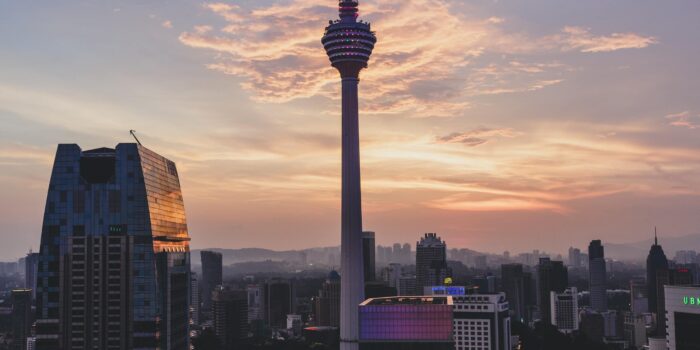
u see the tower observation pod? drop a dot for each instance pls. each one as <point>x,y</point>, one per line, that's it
<point>349,44</point>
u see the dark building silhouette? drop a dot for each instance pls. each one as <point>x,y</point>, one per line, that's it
<point>230,315</point>
<point>552,276</point>
<point>114,262</point>
<point>597,276</point>
<point>279,302</point>
<point>657,276</point>
<point>31,267</point>
<point>368,258</point>
<point>431,262</point>
<point>21,318</point>
<point>327,304</point>
<point>212,275</point>
<point>517,285</point>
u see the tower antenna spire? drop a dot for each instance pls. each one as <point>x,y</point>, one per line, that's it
<point>656,239</point>
<point>133,133</point>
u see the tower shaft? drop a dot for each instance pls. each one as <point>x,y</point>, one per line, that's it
<point>351,283</point>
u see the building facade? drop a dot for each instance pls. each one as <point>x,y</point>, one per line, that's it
<point>597,276</point>
<point>327,304</point>
<point>564,310</point>
<point>431,262</point>
<point>481,322</point>
<point>368,258</point>
<point>657,276</point>
<point>683,315</point>
<point>230,316</point>
<point>279,302</point>
<point>552,276</point>
<point>212,276</point>
<point>114,260</point>
<point>406,323</point>
<point>22,318</point>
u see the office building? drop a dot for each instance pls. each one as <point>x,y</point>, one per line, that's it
<point>349,44</point>
<point>683,315</point>
<point>431,262</point>
<point>21,318</point>
<point>31,267</point>
<point>212,276</point>
<point>407,286</point>
<point>481,322</point>
<point>327,307</point>
<point>639,301</point>
<point>597,276</point>
<point>657,276</point>
<point>194,299</point>
<point>294,324</point>
<point>114,262</point>
<point>552,276</point>
<point>230,316</point>
<point>574,257</point>
<point>592,324</point>
<point>517,286</point>
<point>256,302</point>
<point>564,310</point>
<point>415,323</point>
<point>368,258</point>
<point>635,330</point>
<point>279,302</point>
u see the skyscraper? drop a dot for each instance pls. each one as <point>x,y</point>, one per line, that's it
<point>212,276</point>
<point>195,303</point>
<point>31,266</point>
<point>327,308</point>
<point>114,264</point>
<point>349,44</point>
<point>514,286</point>
<point>431,262</point>
<point>564,310</point>
<point>574,257</point>
<point>230,315</point>
<point>279,302</point>
<point>21,318</point>
<point>552,276</point>
<point>597,276</point>
<point>657,275</point>
<point>368,259</point>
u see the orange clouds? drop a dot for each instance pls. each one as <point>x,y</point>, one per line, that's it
<point>684,119</point>
<point>577,38</point>
<point>477,137</point>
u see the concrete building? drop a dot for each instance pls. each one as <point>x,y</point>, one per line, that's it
<point>597,280</point>
<point>481,322</point>
<point>368,259</point>
<point>114,263</point>
<point>407,323</point>
<point>635,331</point>
<point>552,276</point>
<point>327,304</point>
<point>349,44</point>
<point>21,318</point>
<point>195,301</point>
<point>212,276</point>
<point>683,315</point>
<point>564,310</point>
<point>256,302</point>
<point>431,262</point>
<point>230,316</point>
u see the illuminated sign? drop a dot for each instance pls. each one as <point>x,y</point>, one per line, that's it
<point>691,301</point>
<point>448,281</point>
<point>446,290</point>
<point>117,229</point>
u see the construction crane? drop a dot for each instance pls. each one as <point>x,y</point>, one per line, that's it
<point>133,133</point>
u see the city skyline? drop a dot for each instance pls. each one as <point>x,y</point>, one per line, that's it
<point>535,137</point>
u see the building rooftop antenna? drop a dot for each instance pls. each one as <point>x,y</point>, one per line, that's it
<point>133,133</point>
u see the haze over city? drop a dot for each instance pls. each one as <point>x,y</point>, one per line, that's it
<point>501,125</point>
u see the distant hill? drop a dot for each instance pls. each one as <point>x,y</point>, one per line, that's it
<point>233,256</point>
<point>637,251</point>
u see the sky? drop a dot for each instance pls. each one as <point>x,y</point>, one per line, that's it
<point>499,124</point>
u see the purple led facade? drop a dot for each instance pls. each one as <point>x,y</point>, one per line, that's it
<point>409,322</point>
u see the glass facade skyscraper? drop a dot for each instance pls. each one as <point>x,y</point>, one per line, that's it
<point>114,264</point>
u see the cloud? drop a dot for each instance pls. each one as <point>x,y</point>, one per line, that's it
<point>426,62</point>
<point>476,137</point>
<point>684,119</point>
<point>167,24</point>
<point>578,38</point>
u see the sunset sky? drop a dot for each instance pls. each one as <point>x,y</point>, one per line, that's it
<point>499,124</point>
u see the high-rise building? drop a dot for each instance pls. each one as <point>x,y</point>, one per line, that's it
<point>683,315</point>
<point>407,323</point>
<point>657,276</point>
<point>256,302</point>
<point>279,302</point>
<point>212,276</point>
<point>564,310</point>
<point>481,321</point>
<point>31,267</point>
<point>349,44</point>
<point>516,285</point>
<point>114,262</point>
<point>368,258</point>
<point>406,250</point>
<point>327,308</point>
<point>574,257</point>
<point>230,315</point>
<point>639,300</point>
<point>597,277</point>
<point>407,286</point>
<point>194,299</point>
<point>21,318</point>
<point>552,276</point>
<point>431,262</point>
<point>635,331</point>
